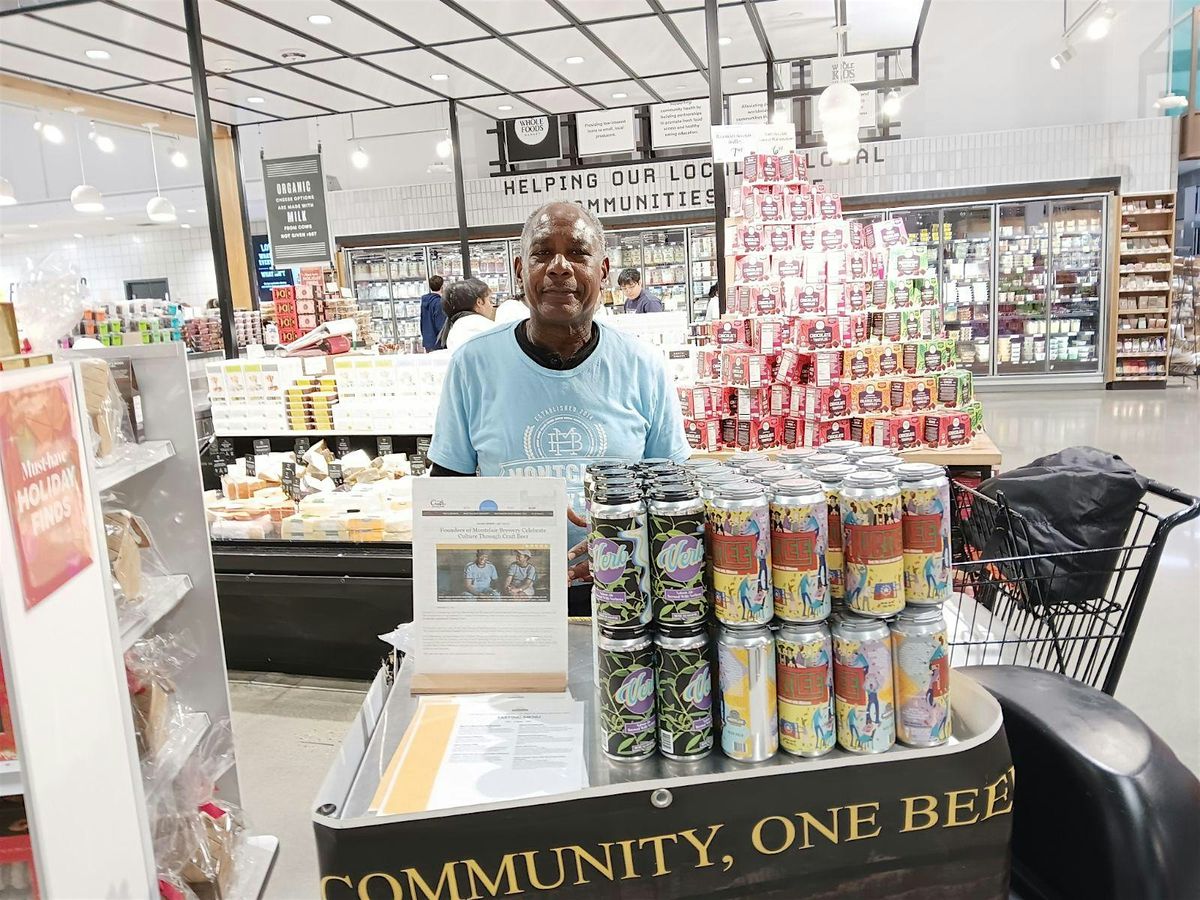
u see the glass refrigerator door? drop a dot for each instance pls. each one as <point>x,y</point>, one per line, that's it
<point>409,282</point>
<point>966,284</point>
<point>489,261</point>
<point>924,227</point>
<point>702,247</point>
<point>1077,254</point>
<point>665,268</point>
<point>1022,260</point>
<point>370,276</point>
<point>624,252</point>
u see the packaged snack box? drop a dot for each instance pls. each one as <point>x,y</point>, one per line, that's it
<point>861,362</point>
<point>748,239</point>
<point>974,409</point>
<point>779,238</point>
<point>900,294</point>
<point>835,266</point>
<point>955,388</point>
<point>830,207</point>
<point>907,261</point>
<point>946,429</point>
<point>748,369</point>
<point>728,432</point>
<point>889,360</point>
<point>766,298</point>
<point>869,397</point>
<point>799,203</point>
<point>752,267</point>
<point>805,236</point>
<point>794,167</point>
<point>818,332</point>
<point>859,235</point>
<point>758,433</point>
<point>857,294</point>
<point>730,332</point>
<point>862,428</point>
<point>767,336</point>
<point>889,233</point>
<point>820,432</point>
<point>702,434</point>
<point>805,298</point>
<point>760,167</point>
<point>787,265</point>
<point>832,235</point>
<point>787,368</point>
<point>898,432</point>
<point>831,402</point>
<point>854,328</point>
<point>926,291</point>
<point>781,399</point>
<point>792,432</point>
<point>695,402</point>
<point>747,403</point>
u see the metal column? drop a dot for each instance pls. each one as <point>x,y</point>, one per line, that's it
<point>208,168</point>
<point>716,112</point>
<point>460,195</point>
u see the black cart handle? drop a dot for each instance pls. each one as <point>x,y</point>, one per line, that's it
<point>1170,493</point>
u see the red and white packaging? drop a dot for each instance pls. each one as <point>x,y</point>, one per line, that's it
<point>728,432</point>
<point>766,298</point>
<point>857,295</point>
<point>695,402</point>
<point>804,298</point>
<point>835,266</point>
<point>862,428</point>
<point>835,298</point>
<point>759,433</point>
<point>832,235</point>
<point>748,239</point>
<point>818,333</point>
<point>781,399</point>
<point>946,429</point>
<point>767,336</point>
<point>787,367</point>
<point>798,200</point>
<point>768,205</point>
<point>724,398</point>
<point>817,433</point>
<point>854,328</point>
<point>898,432</point>
<point>779,238</point>
<point>806,236</point>
<point>829,206</point>
<point>792,432</point>
<point>814,266</point>
<point>858,235</point>
<point>730,332</point>
<point>751,267</point>
<point>821,367</point>
<point>744,369</point>
<point>737,300</point>
<point>793,167</point>
<point>787,265</point>
<point>858,263</point>
<point>307,323</point>
<point>831,402</point>
<point>702,434</point>
<point>760,167</point>
<point>913,394</point>
<point>889,233</point>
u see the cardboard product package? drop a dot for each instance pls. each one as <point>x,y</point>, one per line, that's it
<point>789,265</point>
<point>758,433</point>
<point>861,361</point>
<point>752,267</point>
<point>792,432</point>
<point>779,238</point>
<point>703,434</point>
<point>869,397</point>
<point>832,234</point>
<point>829,206</point>
<point>900,432</point>
<point>126,536</point>
<point>820,431</point>
<point>759,168</point>
<point>946,429</point>
<point>802,298</point>
<point>889,233</point>
<point>105,408</point>
<point>766,298</point>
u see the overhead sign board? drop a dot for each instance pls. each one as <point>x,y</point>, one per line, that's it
<point>605,131</point>
<point>297,223</point>
<point>856,68</point>
<point>532,138</point>
<point>682,124</point>
<point>731,143</point>
<point>745,108</point>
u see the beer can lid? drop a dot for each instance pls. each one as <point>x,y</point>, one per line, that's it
<point>866,478</point>
<point>758,465</point>
<point>922,613</point>
<point>671,489</point>
<point>860,453</point>
<point>918,471</point>
<point>617,490</point>
<point>840,446</point>
<point>668,630</point>
<point>655,461</point>
<point>833,472</point>
<point>634,632</point>
<point>887,461</point>
<point>741,489</point>
<point>796,454</point>
<point>607,466</point>
<point>773,475</point>
<point>795,486</point>
<point>824,458</point>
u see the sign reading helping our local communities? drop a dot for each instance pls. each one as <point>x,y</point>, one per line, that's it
<point>296,219</point>
<point>531,138</point>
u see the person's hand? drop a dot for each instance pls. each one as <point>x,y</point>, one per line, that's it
<point>582,570</point>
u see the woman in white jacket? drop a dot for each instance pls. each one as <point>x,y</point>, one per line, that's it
<point>469,311</point>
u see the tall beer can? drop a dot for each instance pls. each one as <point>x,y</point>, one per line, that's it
<point>862,684</point>
<point>618,547</point>
<point>830,478</point>
<point>921,652</point>
<point>739,541</point>
<point>872,543</point>
<point>626,668</point>
<point>804,674</point>
<point>925,496</point>
<point>799,540</point>
<point>749,710</point>
<point>685,692</point>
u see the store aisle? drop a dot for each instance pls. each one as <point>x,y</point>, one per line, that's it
<point>287,729</point>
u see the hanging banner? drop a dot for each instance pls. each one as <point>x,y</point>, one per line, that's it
<point>731,143</point>
<point>681,124</point>
<point>744,108</point>
<point>857,68</point>
<point>296,220</point>
<point>605,131</point>
<point>531,138</point>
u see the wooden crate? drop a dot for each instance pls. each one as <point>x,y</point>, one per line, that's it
<point>25,361</point>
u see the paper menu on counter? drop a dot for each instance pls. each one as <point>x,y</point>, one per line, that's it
<point>471,750</point>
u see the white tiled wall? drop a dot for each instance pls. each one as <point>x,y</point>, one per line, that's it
<point>1142,152</point>
<point>182,256</point>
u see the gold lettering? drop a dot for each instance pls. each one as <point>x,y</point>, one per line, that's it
<point>857,820</point>
<point>415,882</point>
<point>532,872</point>
<point>993,795</point>
<point>789,835</point>
<point>344,879</point>
<point>911,812</point>
<point>627,856</point>
<point>363,886</point>
<point>660,863</point>
<point>605,869</point>
<point>809,821</point>
<point>506,872</point>
<point>952,819</point>
<point>701,849</point>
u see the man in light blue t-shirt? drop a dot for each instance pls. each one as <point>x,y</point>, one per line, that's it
<point>480,576</point>
<point>550,394</point>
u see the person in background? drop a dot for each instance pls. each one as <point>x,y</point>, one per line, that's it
<point>469,311</point>
<point>521,575</point>
<point>514,309</point>
<point>712,311</point>
<point>432,316</point>
<point>637,298</point>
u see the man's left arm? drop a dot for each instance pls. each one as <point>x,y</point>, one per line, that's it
<point>665,437</point>
<point>653,303</point>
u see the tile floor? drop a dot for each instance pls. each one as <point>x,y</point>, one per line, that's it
<point>288,729</point>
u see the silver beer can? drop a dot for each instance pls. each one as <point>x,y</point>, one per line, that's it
<point>749,705</point>
<point>863,684</point>
<point>921,659</point>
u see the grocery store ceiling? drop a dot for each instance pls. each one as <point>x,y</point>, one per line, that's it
<point>281,59</point>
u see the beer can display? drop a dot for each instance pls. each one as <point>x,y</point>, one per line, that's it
<point>676,530</point>
<point>625,664</point>
<point>885,462</point>
<point>744,457</point>
<point>739,543</point>
<point>842,446</point>
<point>749,710</point>
<point>769,477</point>
<point>862,684</point>
<point>618,548</point>
<point>804,675</point>
<point>830,478</point>
<point>601,470</point>
<point>799,541</point>
<point>857,454</point>
<point>683,675</point>
<point>794,459</point>
<point>921,658</point>
<point>872,543</point>
<point>821,458</point>
<point>925,496</point>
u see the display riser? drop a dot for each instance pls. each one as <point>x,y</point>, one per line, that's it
<point>1158,384</point>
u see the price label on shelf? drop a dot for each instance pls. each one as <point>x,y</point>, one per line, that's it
<point>262,446</point>
<point>289,480</point>
<point>335,474</point>
<point>225,448</point>
<point>343,446</point>
<point>251,469</point>
<point>383,444</point>
<point>416,462</point>
<point>301,446</point>
<point>220,466</point>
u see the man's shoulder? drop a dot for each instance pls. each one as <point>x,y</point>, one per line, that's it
<point>626,346</point>
<point>487,347</point>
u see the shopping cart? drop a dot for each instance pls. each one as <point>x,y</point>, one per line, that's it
<point>1009,606</point>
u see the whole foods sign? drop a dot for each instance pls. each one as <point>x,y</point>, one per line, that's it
<point>531,138</point>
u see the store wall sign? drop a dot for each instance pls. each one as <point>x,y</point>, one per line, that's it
<point>731,143</point>
<point>532,137</point>
<point>682,124</point>
<point>745,108</point>
<point>605,131</point>
<point>297,223</point>
<point>855,67</point>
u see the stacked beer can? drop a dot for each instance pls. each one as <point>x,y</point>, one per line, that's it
<point>825,572</point>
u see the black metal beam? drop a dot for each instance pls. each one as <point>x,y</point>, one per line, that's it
<point>604,48</point>
<point>208,167</point>
<point>716,109</point>
<point>669,24</point>
<point>460,194</point>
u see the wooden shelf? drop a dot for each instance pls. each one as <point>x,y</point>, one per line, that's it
<point>1141,234</point>
<point>1149,212</point>
<point>1161,290</point>
<point>1141,312</point>
<point>1140,378</point>
<point>1158,224</point>
<point>1124,331</point>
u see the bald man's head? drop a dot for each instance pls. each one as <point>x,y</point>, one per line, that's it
<point>562,265</point>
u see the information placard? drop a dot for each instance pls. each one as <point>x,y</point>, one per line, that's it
<point>745,108</point>
<point>296,219</point>
<point>731,143</point>
<point>605,131</point>
<point>489,585</point>
<point>532,137</point>
<point>854,67</point>
<point>681,124</point>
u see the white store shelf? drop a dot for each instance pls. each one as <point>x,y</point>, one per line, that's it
<point>11,782</point>
<point>170,759</point>
<point>162,594</point>
<point>254,865</point>
<point>137,459</point>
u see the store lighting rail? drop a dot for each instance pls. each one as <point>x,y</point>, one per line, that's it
<point>163,593</point>
<point>11,782</point>
<point>147,455</point>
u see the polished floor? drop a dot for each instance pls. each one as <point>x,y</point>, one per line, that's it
<point>288,729</point>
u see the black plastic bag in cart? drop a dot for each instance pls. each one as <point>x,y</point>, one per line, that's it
<point>1077,499</point>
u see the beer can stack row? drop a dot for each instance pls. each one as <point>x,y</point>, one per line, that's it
<point>825,572</point>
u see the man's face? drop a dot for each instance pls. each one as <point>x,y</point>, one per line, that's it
<point>632,290</point>
<point>563,268</point>
<point>480,558</point>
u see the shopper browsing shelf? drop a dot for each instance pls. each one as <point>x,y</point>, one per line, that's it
<point>469,310</point>
<point>432,317</point>
<point>637,298</point>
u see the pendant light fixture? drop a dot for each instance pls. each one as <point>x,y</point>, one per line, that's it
<point>159,209</point>
<point>358,156</point>
<point>85,198</point>
<point>837,109</point>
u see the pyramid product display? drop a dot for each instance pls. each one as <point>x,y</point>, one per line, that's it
<point>832,330</point>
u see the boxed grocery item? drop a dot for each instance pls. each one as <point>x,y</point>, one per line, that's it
<point>900,294</point>
<point>889,233</point>
<point>857,295</point>
<point>752,267</point>
<point>835,266</point>
<point>946,429</point>
<point>787,366</point>
<point>805,236</point>
<point>869,396</point>
<point>793,167</point>
<point>728,431</point>
<point>818,432</point>
<point>766,298</point>
<point>791,432</point>
<point>804,298</point>
<point>702,434</point>
<point>730,331</point>
<point>861,361</point>
<point>798,203</point>
<point>781,399</point>
<point>787,265</point>
<point>974,409</point>
<point>832,235</point>
<point>746,369</point>
<point>818,332</point>
<point>829,206</point>
<point>767,336</point>
<point>955,388</point>
<point>862,427</point>
<point>830,402</point>
<point>888,360</point>
<point>761,167</point>
<point>758,433</point>
<point>907,261</point>
<point>748,239</point>
<point>860,235</point>
<point>695,402</point>
<point>901,432</point>
<point>915,394</point>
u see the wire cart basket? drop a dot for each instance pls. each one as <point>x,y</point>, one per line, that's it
<point>1012,607</point>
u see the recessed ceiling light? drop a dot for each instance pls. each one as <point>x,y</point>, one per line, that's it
<point>108,218</point>
<point>619,95</point>
<point>574,60</point>
<point>725,41</point>
<point>97,54</point>
<point>33,225</point>
<point>319,20</point>
<point>191,210</point>
<point>745,79</point>
<point>440,76</point>
<point>255,100</point>
<point>77,235</point>
<point>504,107</point>
<point>184,225</point>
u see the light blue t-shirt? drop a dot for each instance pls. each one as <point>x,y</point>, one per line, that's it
<point>481,577</point>
<point>503,414</point>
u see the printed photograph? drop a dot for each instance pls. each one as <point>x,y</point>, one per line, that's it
<point>493,574</point>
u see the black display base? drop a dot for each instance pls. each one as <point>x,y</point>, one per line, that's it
<point>312,608</point>
<point>1137,385</point>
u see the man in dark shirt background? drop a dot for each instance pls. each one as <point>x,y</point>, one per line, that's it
<point>637,298</point>
<point>433,317</point>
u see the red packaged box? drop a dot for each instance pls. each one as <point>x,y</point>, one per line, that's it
<point>304,292</point>
<point>730,331</point>
<point>814,266</point>
<point>832,235</point>
<point>818,333</point>
<point>307,323</point>
<point>286,293</point>
<point>767,336</point>
<point>287,335</point>
<point>760,167</point>
<point>857,264</point>
<point>728,432</point>
<point>798,203</point>
<point>946,429</point>
<point>751,267</point>
<point>737,301</point>
<point>854,328</point>
<point>898,432</point>
<point>835,266</point>
<point>859,362</point>
<point>765,298</point>
<point>695,402</point>
<point>787,265</point>
<point>835,298</point>
<point>746,403</point>
<point>831,402</point>
<point>743,369</point>
<point>793,167</point>
<point>781,399</point>
<point>889,233</point>
<point>805,298</point>
<point>869,396</point>
<point>708,364</point>
<point>760,433</point>
<point>821,367</point>
<point>768,206</point>
<point>858,235</point>
<point>862,428</point>
<point>829,206</point>
<point>857,294</point>
<point>787,367</point>
<point>288,320</point>
<point>791,432</point>
<point>805,236</point>
<point>703,434</point>
<point>889,360</point>
<point>306,307</point>
<point>748,239</point>
<point>779,238</point>
<point>820,432</point>
<point>285,307</point>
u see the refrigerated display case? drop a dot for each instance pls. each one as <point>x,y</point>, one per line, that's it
<point>1022,271</point>
<point>491,262</point>
<point>665,267</point>
<point>1077,260</point>
<point>390,281</point>
<point>967,283</point>
<point>702,250</point>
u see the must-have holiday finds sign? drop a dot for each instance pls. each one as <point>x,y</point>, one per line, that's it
<point>296,219</point>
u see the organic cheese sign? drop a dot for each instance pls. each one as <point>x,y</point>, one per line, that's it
<point>39,460</point>
<point>296,218</point>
